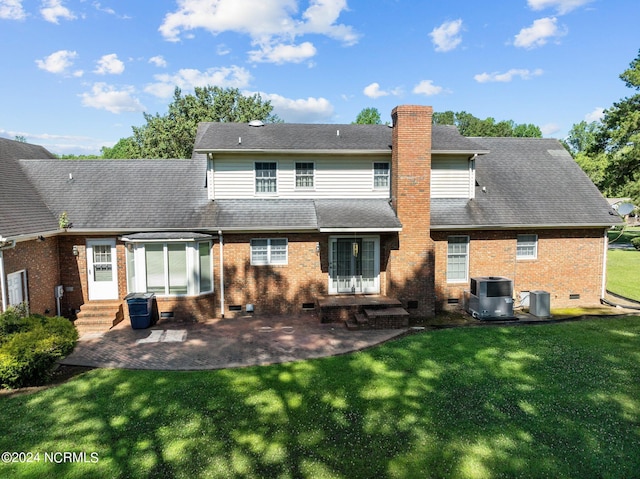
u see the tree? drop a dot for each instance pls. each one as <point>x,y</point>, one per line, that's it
<point>618,140</point>
<point>20,138</point>
<point>368,116</point>
<point>469,125</point>
<point>173,135</point>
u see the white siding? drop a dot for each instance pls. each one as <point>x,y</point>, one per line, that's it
<point>335,177</point>
<point>452,177</point>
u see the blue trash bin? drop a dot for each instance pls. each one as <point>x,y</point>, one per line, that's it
<point>140,309</point>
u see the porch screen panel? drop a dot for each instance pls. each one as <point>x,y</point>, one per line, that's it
<point>177,263</point>
<point>154,256</point>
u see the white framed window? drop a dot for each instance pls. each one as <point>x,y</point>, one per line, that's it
<point>381,175</point>
<point>527,246</point>
<point>17,289</point>
<point>170,268</point>
<point>305,175</point>
<point>457,259</point>
<point>266,173</point>
<point>269,251</point>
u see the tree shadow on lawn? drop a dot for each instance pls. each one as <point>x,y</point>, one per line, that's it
<point>556,400</point>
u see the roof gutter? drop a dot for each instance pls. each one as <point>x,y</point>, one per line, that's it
<point>519,226</point>
<point>359,230</point>
<point>293,151</point>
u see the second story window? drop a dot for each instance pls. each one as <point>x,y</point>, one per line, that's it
<point>266,177</point>
<point>304,175</point>
<point>381,175</point>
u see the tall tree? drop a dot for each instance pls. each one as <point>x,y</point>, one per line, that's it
<point>469,125</point>
<point>173,134</point>
<point>368,116</point>
<point>619,140</point>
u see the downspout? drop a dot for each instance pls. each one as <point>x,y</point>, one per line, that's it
<point>4,244</point>
<point>221,274</point>
<point>604,265</point>
<point>2,282</point>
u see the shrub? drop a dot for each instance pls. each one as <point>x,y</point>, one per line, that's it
<point>30,347</point>
<point>636,242</point>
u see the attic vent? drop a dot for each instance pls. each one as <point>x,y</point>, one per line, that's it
<point>256,123</point>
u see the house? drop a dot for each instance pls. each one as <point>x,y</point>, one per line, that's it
<point>284,218</point>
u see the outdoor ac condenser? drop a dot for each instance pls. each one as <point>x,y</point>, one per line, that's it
<point>491,297</point>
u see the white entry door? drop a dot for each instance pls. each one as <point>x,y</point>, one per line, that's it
<point>102,272</point>
<point>354,265</point>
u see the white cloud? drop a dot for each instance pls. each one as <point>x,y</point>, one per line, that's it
<point>373,91</point>
<point>222,49</point>
<point>58,62</point>
<point>561,6</point>
<point>158,61</point>
<point>507,76</point>
<point>596,115</point>
<point>280,54</point>
<point>273,25</point>
<point>310,110</point>
<point>53,10</point>
<point>12,10</point>
<point>538,33</point>
<point>426,87</point>
<point>188,78</point>
<point>109,64</point>
<point>549,129</point>
<point>106,97</point>
<point>446,37</point>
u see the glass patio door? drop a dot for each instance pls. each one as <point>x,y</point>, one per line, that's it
<point>354,265</point>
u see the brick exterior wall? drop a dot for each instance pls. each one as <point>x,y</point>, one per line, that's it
<point>273,289</point>
<point>569,262</point>
<point>40,260</point>
<point>411,263</point>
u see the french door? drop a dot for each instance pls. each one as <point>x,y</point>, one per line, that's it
<point>354,265</point>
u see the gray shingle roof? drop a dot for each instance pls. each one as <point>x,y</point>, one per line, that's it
<point>309,137</point>
<point>305,214</point>
<point>125,194</point>
<point>22,209</point>
<point>375,214</point>
<point>529,182</point>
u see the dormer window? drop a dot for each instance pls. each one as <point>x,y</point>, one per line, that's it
<point>266,173</point>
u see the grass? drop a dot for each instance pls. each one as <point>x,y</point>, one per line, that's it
<point>622,273</point>
<point>560,400</point>
<point>624,236</point>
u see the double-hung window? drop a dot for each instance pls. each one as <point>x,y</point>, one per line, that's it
<point>269,251</point>
<point>304,175</point>
<point>527,247</point>
<point>457,259</point>
<point>381,175</point>
<point>266,177</point>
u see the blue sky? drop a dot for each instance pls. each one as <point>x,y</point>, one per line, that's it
<point>77,74</point>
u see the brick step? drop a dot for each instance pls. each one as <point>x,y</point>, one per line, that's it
<point>388,318</point>
<point>351,325</point>
<point>99,316</point>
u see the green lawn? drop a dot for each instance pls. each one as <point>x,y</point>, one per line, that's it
<point>622,273</point>
<point>556,400</point>
<point>624,236</point>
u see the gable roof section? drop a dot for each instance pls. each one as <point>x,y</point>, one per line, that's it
<point>528,182</point>
<point>22,210</point>
<point>292,137</point>
<point>298,137</point>
<point>127,195</point>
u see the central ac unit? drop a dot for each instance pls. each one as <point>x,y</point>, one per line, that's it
<point>491,297</point>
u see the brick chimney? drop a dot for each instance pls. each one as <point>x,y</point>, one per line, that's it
<point>411,277</point>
